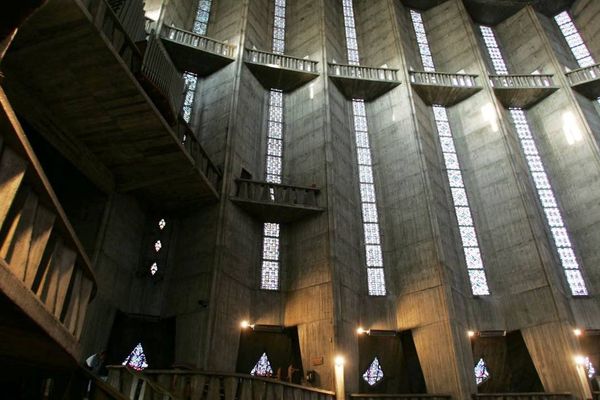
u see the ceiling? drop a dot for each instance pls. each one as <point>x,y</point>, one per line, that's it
<point>492,12</point>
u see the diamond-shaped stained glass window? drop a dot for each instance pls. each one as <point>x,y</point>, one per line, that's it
<point>374,373</point>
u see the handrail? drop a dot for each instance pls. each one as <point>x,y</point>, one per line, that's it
<point>361,72</point>
<point>443,79</point>
<point>523,395</point>
<point>105,19</point>
<point>135,385</point>
<point>160,70</point>
<point>522,81</point>
<point>276,193</point>
<point>217,379</point>
<point>403,396</point>
<point>131,15</point>
<point>195,40</point>
<point>281,60</point>
<point>40,248</point>
<point>582,75</point>
<point>202,161</point>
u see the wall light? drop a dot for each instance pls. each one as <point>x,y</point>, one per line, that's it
<point>360,330</point>
<point>245,324</point>
<point>579,359</point>
<point>571,128</point>
<point>339,361</point>
<point>577,332</point>
<point>470,334</point>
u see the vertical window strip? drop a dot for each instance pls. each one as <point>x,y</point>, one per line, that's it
<point>274,161</point>
<point>493,50</point>
<point>468,234</point>
<point>202,15</point>
<point>552,213</point>
<point>574,40</point>
<point>279,27</point>
<point>541,182</point>
<point>370,217</point>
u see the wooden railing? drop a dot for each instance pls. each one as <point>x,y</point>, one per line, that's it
<point>596,395</point>
<point>443,79</point>
<point>277,194</point>
<point>280,60</point>
<point>359,72</point>
<point>523,396</point>
<point>160,70</point>
<point>583,75</point>
<point>38,246</point>
<point>410,396</point>
<point>202,385</point>
<point>521,81</point>
<point>136,386</point>
<point>201,160</point>
<point>193,39</point>
<point>132,17</point>
<point>105,19</point>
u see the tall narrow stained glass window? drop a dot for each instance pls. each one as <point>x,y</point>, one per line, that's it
<point>374,373</point>
<point>468,234</point>
<point>541,181</point>
<point>262,367</point>
<point>136,359</point>
<point>370,217</point>
<point>199,27</point>
<point>274,160</point>
<point>574,40</point>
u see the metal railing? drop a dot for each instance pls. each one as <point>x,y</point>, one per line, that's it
<point>359,72</point>
<point>131,15</point>
<point>203,385</point>
<point>160,70</point>
<point>201,160</point>
<point>409,396</point>
<point>194,40</point>
<point>521,81</point>
<point>105,19</point>
<point>583,75</point>
<point>136,386</point>
<point>523,396</point>
<point>276,193</point>
<point>38,246</point>
<point>443,79</point>
<point>280,60</point>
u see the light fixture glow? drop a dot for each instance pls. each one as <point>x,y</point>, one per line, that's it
<point>577,332</point>
<point>470,333</point>
<point>244,324</point>
<point>579,359</point>
<point>360,330</point>
<point>571,128</point>
<point>339,361</point>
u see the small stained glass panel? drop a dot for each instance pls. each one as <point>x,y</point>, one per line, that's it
<point>481,372</point>
<point>468,236</point>
<point>364,156</point>
<point>371,233</point>
<point>463,215</point>
<point>270,275</point>
<point>478,280</point>
<point>455,178</point>
<point>365,174</point>
<point>161,224</point>
<point>459,196</point>
<point>369,212</point>
<point>374,373</point>
<point>567,258</point>
<point>271,248</point>
<point>367,193</point>
<point>136,359</point>
<point>157,245</point>
<point>374,257</point>
<point>451,161</point>
<point>271,229</point>
<point>376,281</point>
<point>576,283</point>
<point>473,258</point>
<point>262,367</point>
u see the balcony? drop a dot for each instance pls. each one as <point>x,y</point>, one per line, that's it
<point>111,111</point>
<point>280,71</point>
<point>367,83</point>
<point>523,396</point>
<point>522,91</point>
<point>196,53</point>
<point>179,384</point>
<point>411,396</point>
<point>46,281</point>
<point>586,81</point>
<point>443,89</point>
<point>272,202</point>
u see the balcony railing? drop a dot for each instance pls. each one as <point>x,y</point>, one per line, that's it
<point>109,23</point>
<point>159,69</point>
<point>521,81</point>
<point>282,61</point>
<point>523,396</point>
<point>131,15</point>
<point>416,396</point>
<point>198,41</point>
<point>135,385</point>
<point>224,386</point>
<point>276,193</point>
<point>443,79</point>
<point>583,75</point>
<point>201,160</point>
<point>43,267</point>
<point>360,72</point>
